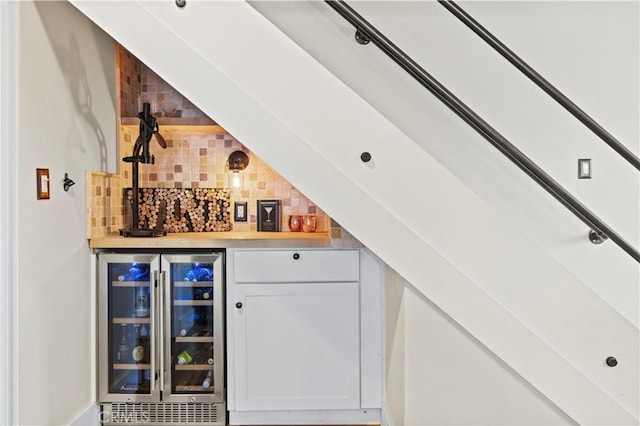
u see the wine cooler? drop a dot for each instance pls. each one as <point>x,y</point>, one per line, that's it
<point>161,338</point>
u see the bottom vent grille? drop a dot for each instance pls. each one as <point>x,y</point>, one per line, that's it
<point>163,414</point>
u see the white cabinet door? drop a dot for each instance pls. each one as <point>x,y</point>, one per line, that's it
<point>297,346</point>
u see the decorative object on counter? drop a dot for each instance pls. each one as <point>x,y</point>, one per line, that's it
<point>42,183</point>
<point>183,210</point>
<point>240,211</point>
<point>269,215</point>
<point>309,223</point>
<point>237,162</point>
<point>148,128</point>
<point>67,183</point>
<point>295,223</point>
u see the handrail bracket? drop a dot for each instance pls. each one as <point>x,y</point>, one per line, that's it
<point>362,37</point>
<point>597,237</point>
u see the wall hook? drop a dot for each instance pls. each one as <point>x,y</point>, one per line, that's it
<point>67,183</point>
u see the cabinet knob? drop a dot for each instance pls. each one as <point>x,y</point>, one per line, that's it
<point>296,256</point>
<point>611,361</point>
<point>239,305</point>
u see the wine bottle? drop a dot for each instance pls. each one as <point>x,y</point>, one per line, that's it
<point>207,293</point>
<point>190,320</point>
<point>123,349</point>
<point>204,355</point>
<point>138,272</point>
<point>198,273</point>
<point>197,294</point>
<point>142,302</point>
<point>138,351</point>
<point>207,381</point>
<point>184,357</point>
<point>208,354</point>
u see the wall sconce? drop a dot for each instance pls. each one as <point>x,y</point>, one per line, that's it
<point>237,162</point>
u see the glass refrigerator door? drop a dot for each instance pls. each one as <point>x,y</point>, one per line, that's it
<point>193,328</point>
<point>128,327</point>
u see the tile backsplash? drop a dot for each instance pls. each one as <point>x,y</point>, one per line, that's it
<point>194,158</point>
<point>105,208</point>
<point>129,72</point>
<point>140,84</point>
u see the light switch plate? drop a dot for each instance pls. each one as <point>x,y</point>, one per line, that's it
<point>240,211</point>
<point>42,184</point>
<point>584,168</point>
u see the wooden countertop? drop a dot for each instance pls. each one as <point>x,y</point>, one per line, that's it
<point>218,240</point>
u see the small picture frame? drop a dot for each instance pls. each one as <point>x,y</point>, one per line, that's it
<point>42,184</point>
<point>269,215</point>
<point>240,211</point>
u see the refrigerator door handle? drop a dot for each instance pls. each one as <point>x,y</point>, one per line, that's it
<point>154,330</point>
<point>160,345</point>
<point>166,356</point>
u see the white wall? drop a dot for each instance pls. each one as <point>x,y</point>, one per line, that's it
<point>447,376</point>
<point>8,196</point>
<point>66,123</point>
<point>589,49</point>
<point>395,343</point>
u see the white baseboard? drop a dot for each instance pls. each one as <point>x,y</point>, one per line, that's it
<point>318,417</point>
<point>384,418</point>
<point>91,417</point>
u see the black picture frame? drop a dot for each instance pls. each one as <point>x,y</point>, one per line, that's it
<point>269,215</point>
<point>240,212</point>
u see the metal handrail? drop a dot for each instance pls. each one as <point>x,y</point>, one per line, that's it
<point>540,81</point>
<point>366,32</point>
